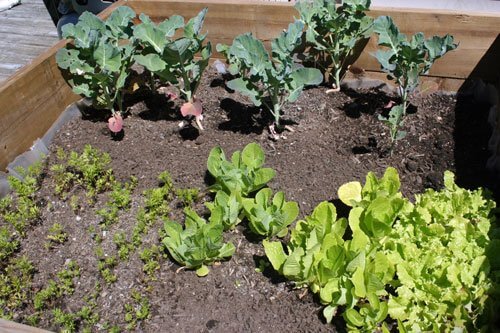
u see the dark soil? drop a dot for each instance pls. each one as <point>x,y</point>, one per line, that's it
<point>337,138</point>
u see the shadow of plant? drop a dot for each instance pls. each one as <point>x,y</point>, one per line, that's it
<point>243,118</point>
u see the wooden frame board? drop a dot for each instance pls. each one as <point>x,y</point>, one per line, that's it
<point>32,99</point>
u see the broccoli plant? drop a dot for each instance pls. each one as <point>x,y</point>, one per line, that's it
<point>266,79</point>
<point>405,61</point>
<point>332,33</point>
<point>98,61</point>
<point>172,60</point>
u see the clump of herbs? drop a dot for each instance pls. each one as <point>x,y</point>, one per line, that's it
<point>88,170</point>
<point>56,236</point>
<point>21,208</point>
<point>136,311</point>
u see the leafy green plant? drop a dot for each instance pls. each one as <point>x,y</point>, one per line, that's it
<point>138,311</point>
<point>21,208</point>
<point>150,257</point>
<point>405,61</point>
<point>105,265</point>
<point>425,265</point>
<point>440,250</point>
<point>198,244</point>
<point>90,170</point>
<point>56,236</point>
<point>55,289</point>
<point>98,61</point>
<point>187,196</point>
<point>119,200</point>
<point>173,60</point>
<point>264,77</point>
<point>15,285</point>
<point>332,33</point>
<point>8,244</point>
<point>242,175</point>
<point>226,209</point>
<point>270,215</point>
<point>123,245</point>
<point>66,320</point>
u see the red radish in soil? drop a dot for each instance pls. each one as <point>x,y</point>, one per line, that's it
<point>193,109</point>
<point>115,123</point>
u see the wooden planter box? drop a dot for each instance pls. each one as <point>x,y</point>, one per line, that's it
<point>33,98</point>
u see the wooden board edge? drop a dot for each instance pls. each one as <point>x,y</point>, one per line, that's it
<point>7,326</point>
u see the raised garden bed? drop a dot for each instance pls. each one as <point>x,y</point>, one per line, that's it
<point>336,138</point>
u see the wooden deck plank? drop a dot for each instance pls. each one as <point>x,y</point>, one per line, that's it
<point>26,31</point>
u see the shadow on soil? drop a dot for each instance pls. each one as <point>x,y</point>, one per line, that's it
<point>242,118</point>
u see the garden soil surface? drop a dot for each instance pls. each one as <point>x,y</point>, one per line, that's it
<point>335,138</point>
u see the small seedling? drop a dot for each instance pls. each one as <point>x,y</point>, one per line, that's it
<point>150,257</point>
<point>138,311</point>
<point>106,265</point>
<point>123,245</point>
<point>187,196</point>
<point>56,236</point>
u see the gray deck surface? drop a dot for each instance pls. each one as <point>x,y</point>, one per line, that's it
<point>26,31</point>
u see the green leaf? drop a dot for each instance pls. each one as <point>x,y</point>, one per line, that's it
<point>148,34</point>
<point>350,193</point>
<point>246,88</point>
<point>328,312</point>
<point>108,57</point>
<point>358,280</point>
<point>354,318</point>
<point>151,61</point>
<point>275,253</point>
<point>202,271</point>
<point>170,25</point>
<point>306,77</point>
<point>253,156</point>
<point>251,51</point>
<point>389,34</point>
<point>193,27</point>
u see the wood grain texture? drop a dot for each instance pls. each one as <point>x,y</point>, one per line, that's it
<point>13,327</point>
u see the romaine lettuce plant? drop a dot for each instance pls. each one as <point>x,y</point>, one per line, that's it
<point>225,209</point>
<point>405,61</point>
<point>332,33</point>
<point>242,175</point>
<point>173,60</point>
<point>198,244</point>
<point>270,215</point>
<point>97,62</point>
<point>267,79</point>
